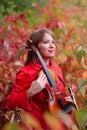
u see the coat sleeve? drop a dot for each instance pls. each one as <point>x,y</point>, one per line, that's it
<point>18,96</point>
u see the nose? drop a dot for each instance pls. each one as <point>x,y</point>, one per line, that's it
<point>52,45</point>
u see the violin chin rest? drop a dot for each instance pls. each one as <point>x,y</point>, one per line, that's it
<point>67,108</point>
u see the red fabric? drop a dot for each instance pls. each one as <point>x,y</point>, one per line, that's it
<point>18,97</point>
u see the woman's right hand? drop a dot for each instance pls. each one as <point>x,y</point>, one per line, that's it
<point>37,85</point>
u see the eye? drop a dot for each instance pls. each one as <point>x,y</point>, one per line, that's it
<point>45,42</point>
<point>53,42</point>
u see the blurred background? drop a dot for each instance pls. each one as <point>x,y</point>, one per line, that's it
<point>68,20</point>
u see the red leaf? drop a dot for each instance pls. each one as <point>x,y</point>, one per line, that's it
<point>12,18</point>
<point>1,29</point>
<point>52,25</point>
<point>1,41</point>
<point>15,29</point>
<point>22,16</point>
<point>68,36</point>
<point>1,58</point>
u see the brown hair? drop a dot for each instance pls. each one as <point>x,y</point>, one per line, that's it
<point>36,37</point>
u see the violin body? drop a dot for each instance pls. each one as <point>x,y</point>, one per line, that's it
<point>57,98</point>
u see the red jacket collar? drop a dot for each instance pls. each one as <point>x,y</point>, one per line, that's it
<point>38,66</point>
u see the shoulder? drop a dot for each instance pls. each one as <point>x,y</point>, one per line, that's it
<point>26,74</point>
<point>32,67</point>
<point>56,67</point>
<point>27,70</point>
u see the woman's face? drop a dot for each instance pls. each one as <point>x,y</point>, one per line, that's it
<point>47,46</point>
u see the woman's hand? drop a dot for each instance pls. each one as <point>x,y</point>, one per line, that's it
<point>37,85</point>
<point>69,99</point>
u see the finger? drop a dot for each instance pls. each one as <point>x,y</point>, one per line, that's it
<point>42,77</point>
<point>36,86</point>
<point>43,84</point>
<point>68,99</point>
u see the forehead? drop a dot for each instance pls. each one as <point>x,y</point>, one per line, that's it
<point>47,36</point>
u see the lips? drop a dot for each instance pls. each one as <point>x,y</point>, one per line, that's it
<point>51,51</point>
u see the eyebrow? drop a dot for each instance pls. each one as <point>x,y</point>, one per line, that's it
<point>47,39</point>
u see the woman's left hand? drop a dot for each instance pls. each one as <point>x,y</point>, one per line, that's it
<point>68,99</point>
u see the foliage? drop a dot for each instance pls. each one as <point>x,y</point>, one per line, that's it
<point>68,21</point>
<point>29,7</point>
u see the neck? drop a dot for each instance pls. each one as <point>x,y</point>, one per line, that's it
<point>46,61</point>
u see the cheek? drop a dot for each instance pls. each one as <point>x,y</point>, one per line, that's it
<point>43,51</point>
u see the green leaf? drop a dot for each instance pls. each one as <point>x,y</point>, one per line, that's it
<point>58,31</point>
<point>68,53</point>
<point>85,103</point>
<point>81,84</point>
<point>80,54</point>
<point>11,126</point>
<point>85,24</point>
<point>20,52</point>
<point>81,117</point>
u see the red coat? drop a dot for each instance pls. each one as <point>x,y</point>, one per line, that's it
<point>36,105</point>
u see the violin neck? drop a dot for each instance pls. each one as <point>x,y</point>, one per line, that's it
<point>45,69</point>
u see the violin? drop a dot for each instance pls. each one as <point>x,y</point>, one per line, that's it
<point>57,98</point>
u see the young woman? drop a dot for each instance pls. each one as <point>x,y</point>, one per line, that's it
<point>30,92</point>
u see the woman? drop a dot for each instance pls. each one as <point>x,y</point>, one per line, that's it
<point>30,92</point>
